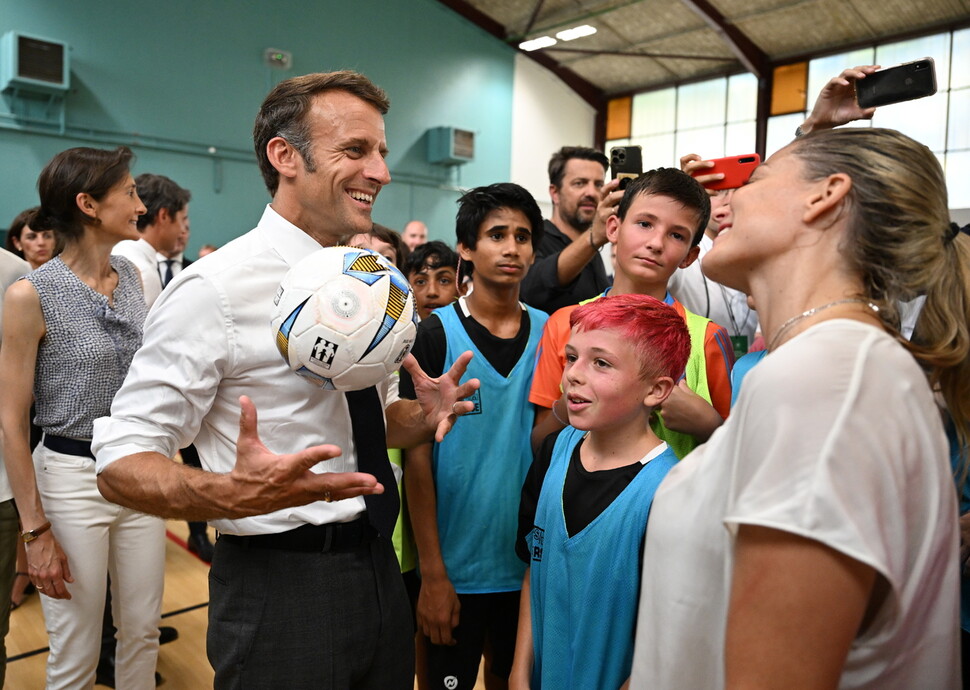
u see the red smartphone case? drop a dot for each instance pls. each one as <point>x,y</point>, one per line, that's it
<point>736,169</point>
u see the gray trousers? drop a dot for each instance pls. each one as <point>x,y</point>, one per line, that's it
<point>290,619</point>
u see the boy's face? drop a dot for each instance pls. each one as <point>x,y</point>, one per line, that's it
<point>433,288</point>
<point>504,252</point>
<point>653,241</point>
<point>366,240</point>
<point>602,384</point>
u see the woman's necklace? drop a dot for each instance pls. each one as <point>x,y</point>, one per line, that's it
<point>811,312</point>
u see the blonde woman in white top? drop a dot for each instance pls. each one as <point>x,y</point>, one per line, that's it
<point>812,542</point>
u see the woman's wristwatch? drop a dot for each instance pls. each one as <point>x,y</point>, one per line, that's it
<point>31,534</point>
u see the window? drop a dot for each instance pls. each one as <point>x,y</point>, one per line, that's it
<point>713,118</point>
<point>717,117</point>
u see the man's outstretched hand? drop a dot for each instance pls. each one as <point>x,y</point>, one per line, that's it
<point>267,482</point>
<point>442,400</point>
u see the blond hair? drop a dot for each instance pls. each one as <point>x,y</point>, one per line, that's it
<point>900,241</point>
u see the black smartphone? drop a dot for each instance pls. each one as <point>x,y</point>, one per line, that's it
<point>626,163</point>
<point>904,82</point>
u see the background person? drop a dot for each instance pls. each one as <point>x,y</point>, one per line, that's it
<point>11,547</point>
<point>160,229</point>
<point>568,267</point>
<point>722,305</point>
<point>415,234</point>
<point>431,269</point>
<point>34,246</point>
<point>70,330</point>
<point>207,249</point>
<point>172,261</point>
<point>384,241</point>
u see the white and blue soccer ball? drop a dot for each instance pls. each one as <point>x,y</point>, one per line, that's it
<point>344,318</point>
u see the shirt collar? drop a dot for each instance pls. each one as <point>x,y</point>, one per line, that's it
<point>668,298</point>
<point>289,241</point>
<point>145,247</point>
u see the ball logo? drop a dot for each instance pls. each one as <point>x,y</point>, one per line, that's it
<point>345,304</point>
<point>323,352</point>
<point>451,682</point>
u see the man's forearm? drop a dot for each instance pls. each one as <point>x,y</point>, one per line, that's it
<point>574,258</point>
<point>260,482</point>
<point>154,484</point>
<point>423,508</point>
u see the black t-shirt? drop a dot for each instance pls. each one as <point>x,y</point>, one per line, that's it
<point>431,346</point>
<point>541,289</point>
<point>585,494</point>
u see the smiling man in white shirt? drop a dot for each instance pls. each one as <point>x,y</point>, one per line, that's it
<point>304,592</point>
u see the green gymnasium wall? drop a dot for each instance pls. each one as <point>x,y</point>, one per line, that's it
<point>173,78</point>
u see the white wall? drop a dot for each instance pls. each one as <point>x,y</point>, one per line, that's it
<point>546,115</point>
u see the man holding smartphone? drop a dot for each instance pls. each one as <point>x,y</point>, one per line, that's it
<point>567,266</point>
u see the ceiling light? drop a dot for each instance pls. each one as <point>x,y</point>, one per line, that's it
<point>537,43</point>
<point>576,32</point>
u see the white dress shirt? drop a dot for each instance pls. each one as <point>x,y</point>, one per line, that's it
<point>208,341</point>
<point>177,264</point>
<point>142,254</point>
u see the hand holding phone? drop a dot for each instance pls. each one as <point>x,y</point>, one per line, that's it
<point>836,104</point>
<point>626,163</point>
<point>736,171</point>
<point>905,82</point>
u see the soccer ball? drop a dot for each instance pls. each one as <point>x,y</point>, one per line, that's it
<point>344,318</point>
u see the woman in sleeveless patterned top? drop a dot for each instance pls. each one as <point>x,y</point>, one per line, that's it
<point>70,330</point>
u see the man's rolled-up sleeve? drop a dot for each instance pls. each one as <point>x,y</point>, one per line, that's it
<point>174,376</point>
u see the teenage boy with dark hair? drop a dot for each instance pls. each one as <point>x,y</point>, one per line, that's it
<point>587,496</point>
<point>432,271</point>
<point>656,229</point>
<point>464,491</point>
<point>568,267</point>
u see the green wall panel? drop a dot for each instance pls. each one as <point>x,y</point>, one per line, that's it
<point>176,77</point>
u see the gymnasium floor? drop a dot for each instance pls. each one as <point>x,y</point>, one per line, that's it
<point>182,663</point>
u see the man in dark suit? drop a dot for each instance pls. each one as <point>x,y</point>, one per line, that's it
<point>172,261</point>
